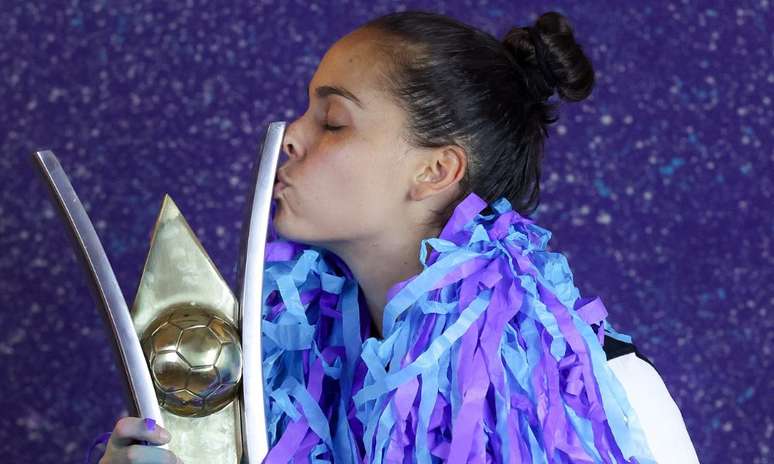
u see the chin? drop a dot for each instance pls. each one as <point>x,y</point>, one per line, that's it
<point>280,222</point>
<point>287,228</point>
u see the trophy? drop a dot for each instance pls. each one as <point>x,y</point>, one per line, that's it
<point>190,351</point>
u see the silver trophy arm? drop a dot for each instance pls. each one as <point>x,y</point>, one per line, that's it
<point>105,288</point>
<point>250,282</point>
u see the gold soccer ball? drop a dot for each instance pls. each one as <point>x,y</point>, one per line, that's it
<point>195,360</point>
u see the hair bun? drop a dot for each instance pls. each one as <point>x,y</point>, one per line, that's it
<point>548,49</point>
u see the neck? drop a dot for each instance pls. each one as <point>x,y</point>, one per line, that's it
<point>379,263</point>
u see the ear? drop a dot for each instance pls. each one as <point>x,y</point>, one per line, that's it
<point>439,170</point>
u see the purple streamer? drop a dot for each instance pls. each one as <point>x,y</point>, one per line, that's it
<point>481,412</point>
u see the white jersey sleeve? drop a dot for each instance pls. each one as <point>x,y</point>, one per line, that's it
<point>657,411</point>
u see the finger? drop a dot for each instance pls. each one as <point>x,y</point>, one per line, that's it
<point>141,454</point>
<point>129,430</point>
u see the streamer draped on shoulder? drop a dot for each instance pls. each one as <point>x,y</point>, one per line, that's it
<point>487,356</point>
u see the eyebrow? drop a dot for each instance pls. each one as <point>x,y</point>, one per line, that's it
<point>325,90</point>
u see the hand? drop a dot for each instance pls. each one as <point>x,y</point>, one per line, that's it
<point>133,441</point>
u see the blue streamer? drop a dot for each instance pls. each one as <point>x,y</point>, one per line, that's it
<point>396,398</point>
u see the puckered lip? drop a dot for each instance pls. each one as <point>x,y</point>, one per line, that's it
<point>280,177</point>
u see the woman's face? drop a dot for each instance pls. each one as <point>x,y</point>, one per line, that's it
<point>348,182</point>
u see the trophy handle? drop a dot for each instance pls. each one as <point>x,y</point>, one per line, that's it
<point>250,292</point>
<point>104,286</point>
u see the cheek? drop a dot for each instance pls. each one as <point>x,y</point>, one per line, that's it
<point>344,186</point>
<point>327,187</point>
<point>331,177</point>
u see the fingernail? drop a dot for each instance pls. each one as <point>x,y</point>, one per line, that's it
<point>150,424</point>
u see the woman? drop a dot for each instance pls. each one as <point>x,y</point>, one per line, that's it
<point>424,137</point>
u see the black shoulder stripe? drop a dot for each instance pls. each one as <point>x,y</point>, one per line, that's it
<point>614,348</point>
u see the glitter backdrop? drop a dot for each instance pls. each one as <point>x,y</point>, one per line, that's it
<point>658,188</point>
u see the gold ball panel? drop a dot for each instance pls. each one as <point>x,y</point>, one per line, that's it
<point>170,371</point>
<point>229,363</point>
<point>199,346</point>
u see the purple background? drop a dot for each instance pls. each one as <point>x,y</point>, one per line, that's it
<point>658,188</point>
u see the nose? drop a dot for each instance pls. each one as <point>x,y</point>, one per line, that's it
<point>289,143</point>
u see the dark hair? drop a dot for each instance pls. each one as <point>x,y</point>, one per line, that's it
<point>463,86</point>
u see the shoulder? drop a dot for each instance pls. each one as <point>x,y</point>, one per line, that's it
<point>659,415</point>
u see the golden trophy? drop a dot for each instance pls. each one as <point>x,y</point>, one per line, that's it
<point>190,350</point>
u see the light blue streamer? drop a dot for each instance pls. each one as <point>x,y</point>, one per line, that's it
<point>332,283</point>
<point>303,266</point>
<point>418,287</point>
<point>283,402</point>
<point>314,415</point>
<point>290,334</point>
<point>618,336</point>
<point>613,394</point>
<point>432,353</point>
<point>429,394</point>
<point>292,299</point>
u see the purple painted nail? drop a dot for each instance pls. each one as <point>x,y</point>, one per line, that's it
<point>150,424</point>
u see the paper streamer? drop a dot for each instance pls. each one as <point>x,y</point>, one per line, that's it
<point>488,355</point>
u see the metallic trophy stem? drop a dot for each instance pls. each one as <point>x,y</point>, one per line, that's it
<point>250,282</point>
<point>104,287</point>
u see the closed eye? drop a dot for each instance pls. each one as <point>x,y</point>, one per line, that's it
<point>330,128</point>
